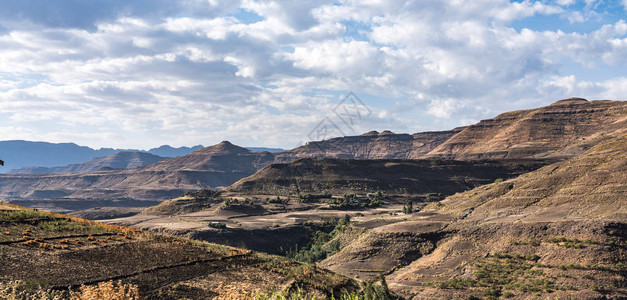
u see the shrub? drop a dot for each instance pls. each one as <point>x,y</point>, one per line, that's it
<point>408,208</point>
<point>275,200</point>
<point>218,225</point>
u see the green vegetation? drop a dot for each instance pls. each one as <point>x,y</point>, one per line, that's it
<point>276,200</point>
<point>21,215</point>
<point>375,289</point>
<point>204,194</point>
<point>322,244</point>
<point>218,225</point>
<point>308,198</point>
<point>408,208</point>
<point>501,272</point>
<point>575,243</point>
<point>352,201</point>
<point>499,180</point>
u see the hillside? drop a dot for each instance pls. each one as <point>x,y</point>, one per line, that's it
<point>338,176</point>
<point>558,231</point>
<point>119,160</point>
<point>592,185</point>
<point>561,130</point>
<point>45,255</point>
<point>210,167</point>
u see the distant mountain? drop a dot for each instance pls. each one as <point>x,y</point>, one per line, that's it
<point>265,149</point>
<point>119,160</point>
<point>209,167</point>
<point>168,151</point>
<point>18,154</point>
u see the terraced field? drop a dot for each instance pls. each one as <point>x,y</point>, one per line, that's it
<point>58,255</point>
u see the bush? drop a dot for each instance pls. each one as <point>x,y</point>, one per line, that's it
<point>307,198</point>
<point>218,225</point>
<point>408,208</point>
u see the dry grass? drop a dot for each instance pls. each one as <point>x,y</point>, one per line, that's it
<point>107,290</point>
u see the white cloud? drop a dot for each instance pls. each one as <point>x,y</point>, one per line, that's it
<point>143,76</point>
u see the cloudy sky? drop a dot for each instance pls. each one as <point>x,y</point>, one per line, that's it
<point>142,73</point>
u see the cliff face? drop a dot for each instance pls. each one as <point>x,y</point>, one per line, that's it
<point>561,130</point>
<point>371,145</point>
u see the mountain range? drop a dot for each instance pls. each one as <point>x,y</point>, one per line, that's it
<point>555,132</point>
<point>18,154</point>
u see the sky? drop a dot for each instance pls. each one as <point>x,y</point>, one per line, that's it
<point>143,73</point>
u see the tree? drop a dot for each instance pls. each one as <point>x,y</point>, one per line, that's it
<point>408,208</point>
<point>1,162</point>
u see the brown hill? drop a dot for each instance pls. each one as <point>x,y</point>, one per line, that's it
<point>337,176</point>
<point>592,185</point>
<point>119,160</point>
<point>562,129</point>
<point>210,167</point>
<point>556,232</point>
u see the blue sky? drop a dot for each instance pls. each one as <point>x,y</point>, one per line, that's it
<point>139,74</point>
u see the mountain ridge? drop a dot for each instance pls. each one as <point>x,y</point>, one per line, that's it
<point>118,160</point>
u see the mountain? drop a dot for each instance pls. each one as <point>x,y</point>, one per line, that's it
<point>560,130</point>
<point>119,160</point>
<point>563,129</point>
<point>169,151</point>
<point>272,150</point>
<point>338,176</point>
<point>371,145</point>
<point>209,167</point>
<point>555,132</point>
<point>18,154</point>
